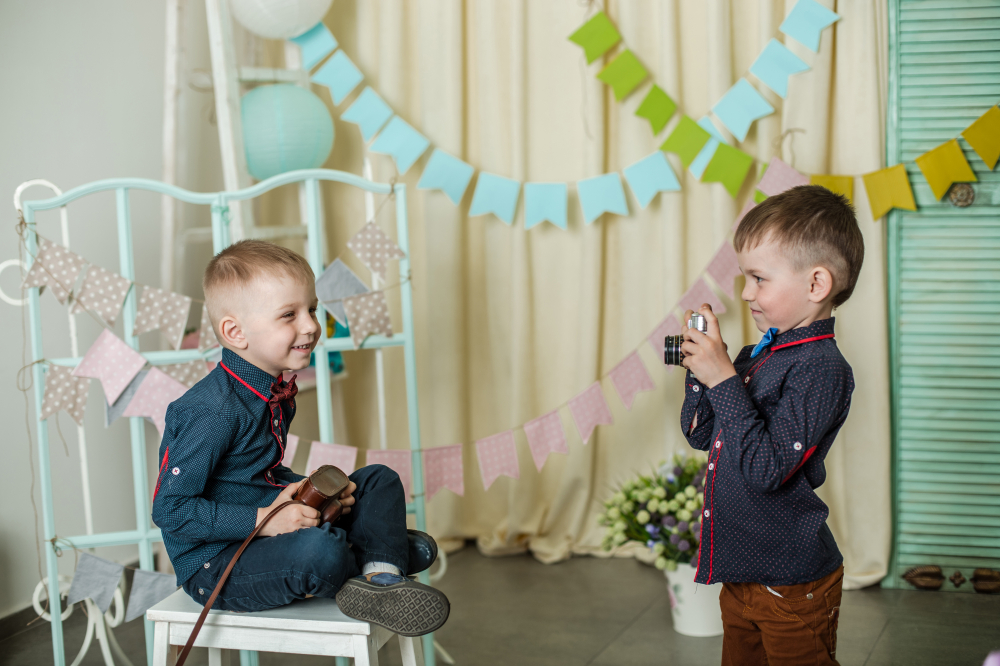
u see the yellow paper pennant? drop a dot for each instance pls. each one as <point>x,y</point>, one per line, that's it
<point>838,184</point>
<point>888,189</point>
<point>945,165</point>
<point>984,136</point>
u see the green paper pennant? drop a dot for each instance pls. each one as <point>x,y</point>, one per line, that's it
<point>596,36</point>
<point>758,196</point>
<point>686,141</point>
<point>623,74</point>
<point>728,166</point>
<point>656,107</point>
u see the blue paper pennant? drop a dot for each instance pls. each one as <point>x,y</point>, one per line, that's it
<point>704,156</point>
<point>601,194</point>
<point>316,43</point>
<point>544,202</point>
<point>369,112</point>
<point>402,142</point>
<point>339,75</point>
<point>806,21</point>
<point>495,194</point>
<point>775,64</point>
<point>649,176</point>
<point>446,173</point>
<point>739,107</point>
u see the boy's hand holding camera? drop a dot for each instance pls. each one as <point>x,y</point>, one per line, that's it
<point>706,355</point>
<point>297,516</point>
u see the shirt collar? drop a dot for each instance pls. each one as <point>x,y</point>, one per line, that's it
<point>259,380</point>
<point>817,328</point>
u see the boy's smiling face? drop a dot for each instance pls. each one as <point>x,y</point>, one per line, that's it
<point>780,294</point>
<point>275,326</point>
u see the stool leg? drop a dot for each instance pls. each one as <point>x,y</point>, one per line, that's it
<point>411,651</point>
<point>218,657</point>
<point>161,645</point>
<point>365,651</point>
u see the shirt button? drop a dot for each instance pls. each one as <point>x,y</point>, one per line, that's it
<point>201,591</point>
<point>706,513</point>
<point>695,388</point>
<point>275,421</point>
<point>746,380</point>
<point>175,471</point>
<point>797,446</point>
<point>718,445</point>
<point>207,564</point>
<point>711,466</point>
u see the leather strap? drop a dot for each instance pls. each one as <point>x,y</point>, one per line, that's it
<point>222,581</point>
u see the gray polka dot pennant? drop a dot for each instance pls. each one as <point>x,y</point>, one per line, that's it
<point>54,267</point>
<point>335,284</point>
<point>367,314</point>
<point>188,374</point>
<point>103,293</point>
<point>374,248</point>
<point>164,310</point>
<point>64,392</point>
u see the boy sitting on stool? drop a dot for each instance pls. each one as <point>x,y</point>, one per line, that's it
<point>221,472</point>
<point>768,421</point>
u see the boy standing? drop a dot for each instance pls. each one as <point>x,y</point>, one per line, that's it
<point>767,421</point>
<point>221,472</point>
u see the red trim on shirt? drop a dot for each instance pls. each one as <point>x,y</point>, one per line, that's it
<point>242,382</point>
<point>799,342</point>
<point>281,447</point>
<point>163,466</point>
<point>801,463</point>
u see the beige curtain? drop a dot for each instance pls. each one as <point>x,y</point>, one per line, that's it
<point>512,323</point>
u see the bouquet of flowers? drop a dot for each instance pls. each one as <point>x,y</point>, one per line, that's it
<point>662,510</point>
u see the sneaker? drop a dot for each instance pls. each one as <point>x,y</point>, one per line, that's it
<point>401,605</point>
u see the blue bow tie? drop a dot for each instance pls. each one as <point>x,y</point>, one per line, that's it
<point>764,341</point>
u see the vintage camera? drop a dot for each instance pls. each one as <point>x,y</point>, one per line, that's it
<point>672,354</point>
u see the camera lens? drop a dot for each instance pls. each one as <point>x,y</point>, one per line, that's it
<point>672,353</point>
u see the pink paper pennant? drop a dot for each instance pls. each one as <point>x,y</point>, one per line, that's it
<point>103,293</point>
<point>589,410</point>
<point>701,293</point>
<point>746,209</point>
<point>63,391</point>
<point>669,326</point>
<point>206,332</point>
<point>291,446</point>
<point>113,362</point>
<point>374,248</point>
<point>54,267</point>
<point>367,314</point>
<point>497,456</point>
<point>154,395</point>
<point>443,469</point>
<point>630,377</point>
<point>545,435</point>
<point>164,310</point>
<point>780,177</point>
<point>343,457</point>
<point>724,268</point>
<point>398,460</point>
<point>189,373</point>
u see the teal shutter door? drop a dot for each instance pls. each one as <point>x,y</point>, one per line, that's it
<point>944,296</point>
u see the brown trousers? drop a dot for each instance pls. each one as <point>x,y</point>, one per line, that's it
<point>798,627</point>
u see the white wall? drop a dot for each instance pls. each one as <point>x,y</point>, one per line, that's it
<point>83,92</point>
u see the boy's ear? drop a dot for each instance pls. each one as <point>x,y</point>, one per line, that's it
<point>820,284</point>
<point>231,333</point>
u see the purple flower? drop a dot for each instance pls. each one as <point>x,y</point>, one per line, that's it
<point>652,529</point>
<point>696,528</point>
<point>683,545</point>
<point>650,544</point>
<point>695,555</point>
<point>678,471</point>
<point>674,538</point>
<point>669,521</point>
<point>682,526</point>
<point>671,478</point>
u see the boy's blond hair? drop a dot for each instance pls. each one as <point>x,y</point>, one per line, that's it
<point>816,227</point>
<point>232,271</point>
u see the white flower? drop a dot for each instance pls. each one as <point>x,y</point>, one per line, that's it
<point>642,496</point>
<point>701,498</point>
<point>690,505</point>
<point>653,506</point>
<point>659,548</point>
<point>628,507</point>
<point>642,517</point>
<point>690,491</point>
<point>660,563</point>
<point>618,497</point>
<point>684,514</point>
<point>680,497</point>
<point>614,513</point>
<point>619,539</point>
<point>671,565</point>
<point>660,492</point>
<point>620,526</point>
<point>674,505</point>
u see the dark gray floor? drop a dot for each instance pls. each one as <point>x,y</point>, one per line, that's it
<point>589,611</point>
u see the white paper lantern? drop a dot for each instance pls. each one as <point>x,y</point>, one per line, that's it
<point>279,19</point>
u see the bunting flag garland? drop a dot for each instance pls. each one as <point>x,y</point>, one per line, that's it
<point>337,283</point>
<point>316,43</point>
<point>601,194</point>
<point>188,374</point>
<point>116,410</point>
<point>113,362</point>
<point>369,112</point>
<point>545,435</point>
<point>630,378</point>
<point>340,75</point>
<point>705,155</point>
<point>806,21</point>
<point>497,457</point>
<point>887,189</point>
<point>164,310</point>
<point>650,176</point>
<point>399,461</point>
<point>374,248</point>
<point>148,589</point>
<point>838,184</point>
<point>669,326</point>
<point>103,293</point>
<point>686,140</point>
<point>54,267</point>
<point>206,332</point>
<point>780,177</point>
<point>291,446</point>
<point>495,194</point>
<point>321,453</point>
<point>153,396</point>
<point>64,392</point>
<point>746,209</point>
<point>724,268</point>
<point>623,74</point>
<point>657,107</point>
<point>728,166</point>
<point>701,293</point>
<point>446,173</point>
<point>545,202</point>
<point>596,36</point>
<point>95,578</point>
<point>945,165</point>
<point>984,136</point>
<point>401,142</point>
<point>740,107</point>
<point>775,64</point>
<point>367,314</point>
<point>443,468</point>
<point>589,410</point>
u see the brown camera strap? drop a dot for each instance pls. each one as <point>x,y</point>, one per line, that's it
<point>222,581</point>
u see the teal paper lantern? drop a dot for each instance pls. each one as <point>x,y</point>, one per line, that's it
<point>285,127</point>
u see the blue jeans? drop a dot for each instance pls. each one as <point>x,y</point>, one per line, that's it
<point>274,571</point>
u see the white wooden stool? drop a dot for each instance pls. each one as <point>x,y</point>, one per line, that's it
<point>310,626</point>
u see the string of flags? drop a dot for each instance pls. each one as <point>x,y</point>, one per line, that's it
<point>96,578</point>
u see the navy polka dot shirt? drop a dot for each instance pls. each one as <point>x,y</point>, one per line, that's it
<point>767,431</point>
<point>220,459</point>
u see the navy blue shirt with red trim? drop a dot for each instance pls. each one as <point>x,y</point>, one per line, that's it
<point>767,432</point>
<point>220,460</point>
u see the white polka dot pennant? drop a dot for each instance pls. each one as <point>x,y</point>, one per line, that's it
<point>367,314</point>
<point>545,435</point>
<point>291,446</point>
<point>698,294</point>
<point>398,460</point>
<point>341,457</point>
<point>497,457</point>
<point>189,373</point>
<point>630,377</point>
<point>54,267</point>
<point>374,248</point>
<point>589,410</point>
<point>443,469</point>
<point>65,392</point>
<point>724,268</point>
<point>206,332</point>
<point>113,362</point>
<point>164,310</point>
<point>153,397</point>
<point>103,293</point>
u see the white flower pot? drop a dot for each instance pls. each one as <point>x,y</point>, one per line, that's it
<point>695,607</point>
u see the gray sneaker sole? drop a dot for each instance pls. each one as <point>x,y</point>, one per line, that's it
<point>407,609</point>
